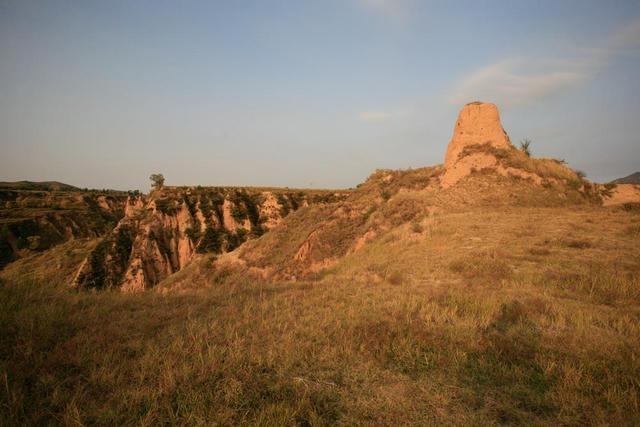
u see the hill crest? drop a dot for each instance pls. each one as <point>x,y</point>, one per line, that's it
<point>38,185</point>
<point>634,178</point>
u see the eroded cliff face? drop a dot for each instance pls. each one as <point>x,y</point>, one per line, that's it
<point>478,124</point>
<point>160,235</point>
<point>32,221</point>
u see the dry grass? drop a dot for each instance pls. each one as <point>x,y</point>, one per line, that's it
<point>480,315</point>
<point>545,168</point>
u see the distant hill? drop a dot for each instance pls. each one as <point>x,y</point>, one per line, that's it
<point>42,186</point>
<point>634,178</point>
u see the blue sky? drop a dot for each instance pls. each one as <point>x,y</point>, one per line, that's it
<point>306,93</point>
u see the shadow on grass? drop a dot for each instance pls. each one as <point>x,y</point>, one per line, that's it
<point>503,375</point>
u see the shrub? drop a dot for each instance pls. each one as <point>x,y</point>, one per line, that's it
<point>631,207</point>
<point>607,189</point>
<point>211,241</point>
<point>238,212</point>
<point>539,251</point>
<point>574,184</point>
<point>124,244</point>
<point>525,145</point>
<point>6,253</point>
<point>416,227</point>
<point>21,243</point>
<point>251,207</point>
<point>192,234</point>
<point>98,274</point>
<point>205,207</point>
<point>577,244</point>
<point>166,206</point>
<point>369,212</point>
<point>296,199</point>
<point>257,230</point>
<point>191,205</point>
<point>402,210</point>
<point>284,204</point>
<point>395,278</point>
<point>216,197</point>
<point>234,240</point>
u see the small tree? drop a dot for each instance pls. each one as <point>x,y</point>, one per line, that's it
<point>157,180</point>
<point>524,147</point>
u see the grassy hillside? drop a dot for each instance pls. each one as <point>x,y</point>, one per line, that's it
<point>317,237</point>
<point>40,186</point>
<point>494,302</point>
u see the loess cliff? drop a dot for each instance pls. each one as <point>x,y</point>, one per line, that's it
<point>34,221</point>
<point>160,235</point>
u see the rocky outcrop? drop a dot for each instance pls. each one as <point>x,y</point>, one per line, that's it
<point>481,146</point>
<point>161,236</point>
<point>478,124</point>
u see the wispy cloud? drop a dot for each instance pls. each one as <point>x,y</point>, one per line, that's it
<point>626,39</point>
<point>375,116</point>
<point>397,10</point>
<point>511,82</point>
<point>519,81</point>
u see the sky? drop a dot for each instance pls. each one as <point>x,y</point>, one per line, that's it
<point>298,93</point>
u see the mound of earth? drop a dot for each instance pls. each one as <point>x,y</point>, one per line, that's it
<point>634,178</point>
<point>481,170</point>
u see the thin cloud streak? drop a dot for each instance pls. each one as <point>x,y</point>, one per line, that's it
<point>510,82</point>
<point>520,81</point>
<point>374,116</point>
